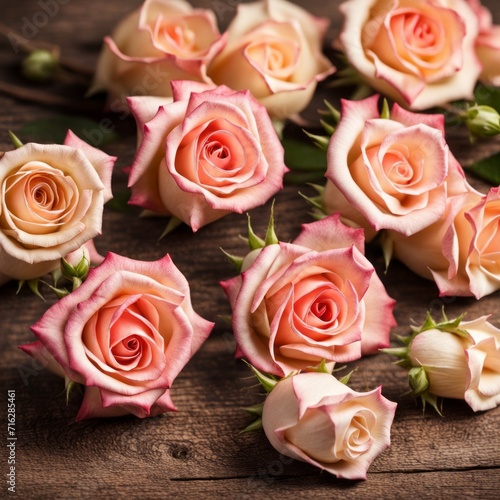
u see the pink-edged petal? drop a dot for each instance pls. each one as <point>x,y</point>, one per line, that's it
<point>102,162</point>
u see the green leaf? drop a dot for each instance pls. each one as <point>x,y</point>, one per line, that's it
<point>487,169</point>
<point>54,130</point>
<point>119,202</point>
<point>303,156</point>
<point>488,95</point>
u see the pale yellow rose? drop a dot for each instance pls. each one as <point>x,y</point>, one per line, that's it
<point>162,41</point>
<point>274,50</point>
<point>51,203</point>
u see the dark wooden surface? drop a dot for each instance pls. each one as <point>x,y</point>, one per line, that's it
<point>199,451</point>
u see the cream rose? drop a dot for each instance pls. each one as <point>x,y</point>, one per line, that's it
<point>51,203</point>
<point>274,50</point>
<point>205,154</point>
<point>314,418</point>
<point>389,173</point>
<point>317,298</point>
<point>162,41</point>
<point>125,334</point>
<point>419,52</point>
<point>462,365</point>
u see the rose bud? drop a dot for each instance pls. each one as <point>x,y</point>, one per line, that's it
<point>314,418</point>
<point>454,359</point>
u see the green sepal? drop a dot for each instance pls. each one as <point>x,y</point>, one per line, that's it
<point>398,352</point>
<point>80,271</point>
<point>333,111</point>
<point>234,259</point>
<point>227,318</point>
<point>255,409</point>
<point>345,379</point>
<point>266,380</point>
<point>33,286</point>
<point>69,386</point>
<point>418,380</point>
<point>271,238</point>
<point>321,141</point>
<point>321,368</point>
<point>254,242</point>
<point>173,223</point>
<point>20,285</point>
<point>329,129</point>
<point>387,247</point>
<point>433,400</point>
<point>385,113</point>
<point>15,140</point>
<point>256,425</point>
<point>56,275</point>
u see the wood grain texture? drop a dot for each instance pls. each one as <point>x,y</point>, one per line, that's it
<point>199,451</point>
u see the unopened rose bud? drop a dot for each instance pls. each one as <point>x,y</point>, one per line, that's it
<point>482,121</point>
<point>40,65</point>
<point>75,265</point>
<point>453,359</point>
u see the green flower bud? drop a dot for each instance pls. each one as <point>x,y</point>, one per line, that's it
<point>482,121</point>
<point>40,65</point>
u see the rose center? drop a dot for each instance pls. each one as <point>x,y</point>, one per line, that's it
<point>275,58</point>
<point>180,37</point>
<point>419,32</point>
<point>322,310</point>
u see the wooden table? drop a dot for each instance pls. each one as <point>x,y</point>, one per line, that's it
<point>199,450</point>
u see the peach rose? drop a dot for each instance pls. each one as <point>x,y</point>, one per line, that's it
<point>460,251</point>
<point>52,199</point>
<point>125,334</point>
<point>463,365</point>
<point>487,44</point>
<point>419,52</point>
<point>205,154</point>
<point>317,298</point>
<point>162,41</point>
<point>389,173</point>
<point>314,418</point>
<point>274,50</point>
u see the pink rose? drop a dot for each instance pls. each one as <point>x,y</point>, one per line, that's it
<point>390,173</point>
<point>51,203</point>
<point>419,52</point>
<point>462,365</point>
<point>317,298</point>
<point>274,50</point>
<point>204,155</point>
<point>460,251</point>
<point>314,418</point>
<point>125,333</point>
<point>487,44</point>
<point>162,41</point>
